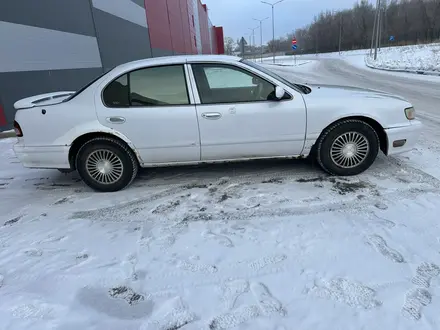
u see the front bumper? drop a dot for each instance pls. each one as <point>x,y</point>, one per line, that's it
<point>408,134</point>
<point>43,157</point>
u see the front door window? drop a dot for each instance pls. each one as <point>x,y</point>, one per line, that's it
<point>219,83</point>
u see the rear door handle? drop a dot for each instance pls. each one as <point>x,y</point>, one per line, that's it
<point>211,115</point>
<point>116,120</point>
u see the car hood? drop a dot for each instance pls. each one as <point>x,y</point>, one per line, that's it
<point>42,100</point>
<point>338,91</point>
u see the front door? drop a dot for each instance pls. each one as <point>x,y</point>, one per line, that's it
<point>152,108</point>
<point>240,118</point>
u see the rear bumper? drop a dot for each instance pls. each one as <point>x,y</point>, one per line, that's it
<point>409,134</point>
<point>43,157</point>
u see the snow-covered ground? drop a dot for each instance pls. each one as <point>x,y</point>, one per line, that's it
<point>414,58</point>
<point>408,58</point>
<point>266,245</point>
<point>270,245</point>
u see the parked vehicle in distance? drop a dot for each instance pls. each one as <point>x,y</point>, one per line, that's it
<point>206,108</point>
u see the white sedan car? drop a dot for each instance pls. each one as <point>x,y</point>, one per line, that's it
<point>201,109</point>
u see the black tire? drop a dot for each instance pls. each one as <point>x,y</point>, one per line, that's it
<point>123,153</point>
<point>331,134</point>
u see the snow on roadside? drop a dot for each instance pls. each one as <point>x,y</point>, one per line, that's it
<point>408,58</point>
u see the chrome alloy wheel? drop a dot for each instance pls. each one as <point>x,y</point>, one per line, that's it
<point>104,166</point>
<point>349,149</point>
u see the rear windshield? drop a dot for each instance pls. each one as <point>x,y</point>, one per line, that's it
<point>87,86</point>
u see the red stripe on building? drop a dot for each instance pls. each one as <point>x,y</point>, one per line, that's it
<point>220,40</point>
<point>158,25</point>
<point>204,28</point>
<point>3,121</point>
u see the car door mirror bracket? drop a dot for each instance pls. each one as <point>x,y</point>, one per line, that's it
<point>279,92</point>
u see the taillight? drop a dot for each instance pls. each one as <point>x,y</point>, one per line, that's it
<point>17,129</point>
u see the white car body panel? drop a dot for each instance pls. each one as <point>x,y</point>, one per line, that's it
<point>324,107</point>
<point>159,134</point>
<point>179,135</point>
<point>246,130</point>
<point>252,130</point>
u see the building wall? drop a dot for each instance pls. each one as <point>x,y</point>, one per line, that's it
<point>42,52</point>
<point>160,32</point>
<point>192,25</point>
<point>219,39</point>
<point>121,30</point>
<point>52,45</point>
<point>204,29</point>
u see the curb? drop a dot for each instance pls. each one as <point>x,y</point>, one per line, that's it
<point>421,72</point>
<point>306,62</point>
<point>7,134</point>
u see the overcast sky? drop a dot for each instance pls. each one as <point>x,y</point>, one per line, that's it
<point>236,15</point>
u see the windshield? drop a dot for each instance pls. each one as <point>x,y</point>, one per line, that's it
<point>87,86</point>
<point>298,87</point>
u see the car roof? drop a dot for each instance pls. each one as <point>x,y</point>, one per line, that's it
<point>178,59</point>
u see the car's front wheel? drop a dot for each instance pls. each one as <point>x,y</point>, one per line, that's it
<point>106,164</point>
<point>348,147</point>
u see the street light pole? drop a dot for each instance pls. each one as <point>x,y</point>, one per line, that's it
<point>253,37</point>
<point>261,34</point>
<point>273,24</point>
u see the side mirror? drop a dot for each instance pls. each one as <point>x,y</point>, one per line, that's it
<point>279,92</point>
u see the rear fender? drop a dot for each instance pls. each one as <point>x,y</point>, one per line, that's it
<point>93,127</point>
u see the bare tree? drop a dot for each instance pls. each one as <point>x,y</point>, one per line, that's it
<point>229,46</point>
<point>409,21</point>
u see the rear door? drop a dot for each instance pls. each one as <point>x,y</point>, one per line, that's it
<point>239,116</point>
<point>155,109</point>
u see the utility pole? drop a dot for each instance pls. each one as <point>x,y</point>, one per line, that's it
<point>273,24</point>
<point>316,41</point>
<point>340,34</point>
<point>380,26</point>
<point>377,30</point>
<point>374,29</point>
<point>261,34</point>
<point>383,21</point>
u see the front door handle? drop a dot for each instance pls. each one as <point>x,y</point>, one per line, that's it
<point>211,115</point>
<point>116,120</point>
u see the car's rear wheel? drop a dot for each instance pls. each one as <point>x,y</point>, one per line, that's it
<point>106,164</point>
<point>348,147</point>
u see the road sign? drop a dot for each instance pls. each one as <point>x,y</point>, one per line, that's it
<point>391,38</point>
<point>294,43</point>
<point>243,44</point>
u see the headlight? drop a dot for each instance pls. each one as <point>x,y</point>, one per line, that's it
<point>410,113</point>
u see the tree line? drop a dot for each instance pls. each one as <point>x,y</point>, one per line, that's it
<point>408,21</point>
